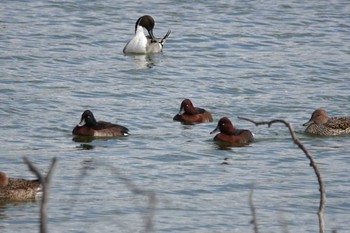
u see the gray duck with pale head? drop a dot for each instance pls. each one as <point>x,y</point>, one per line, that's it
<point>321,124</point>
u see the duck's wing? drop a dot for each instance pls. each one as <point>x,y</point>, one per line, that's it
<point>200,110</point>
<point>103,125</point>
<point>23,184</point>
<point>159,40</point>
<point>164,38</point>
<point>338,123</point>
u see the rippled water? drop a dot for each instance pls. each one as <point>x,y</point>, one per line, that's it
<point>258,59</point>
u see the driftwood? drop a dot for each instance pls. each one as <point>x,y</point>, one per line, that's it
<point>313,164</point>
<point>45,182</point>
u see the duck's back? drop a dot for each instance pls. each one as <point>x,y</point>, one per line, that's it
<point>103,128</point>
<point>339,123</point>
<point>239,136</point>
<point>334,126</point>
<point>20,189</point>
<point>22,183</point>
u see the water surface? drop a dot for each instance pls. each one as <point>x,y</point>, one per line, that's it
<point>262,60</point>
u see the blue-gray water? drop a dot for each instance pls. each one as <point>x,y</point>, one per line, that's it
<point>257,59</point>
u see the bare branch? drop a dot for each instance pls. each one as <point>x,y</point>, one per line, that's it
<point>45,183</point>
<point>152,200</point>
<point>33,169</point>
<point>86,165</point>
<point>313,164</point>
<point>252,209</point>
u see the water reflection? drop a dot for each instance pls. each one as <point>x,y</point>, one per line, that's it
<point>225,162</point>
<point>5,204</point>
<point>227,145</point>
<point>88,139</point>
<point>143,61</point>
<point>85,146</point>
<point>83,139</point>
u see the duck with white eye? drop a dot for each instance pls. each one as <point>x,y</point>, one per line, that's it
<point>142,44</point>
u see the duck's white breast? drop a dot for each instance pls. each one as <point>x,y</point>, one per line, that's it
<point>138,43</point>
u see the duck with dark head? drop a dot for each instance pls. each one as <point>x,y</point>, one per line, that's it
<point>88,126</point>
<point>230,134</point>
<point>189,114</point>
<point>142,44</point>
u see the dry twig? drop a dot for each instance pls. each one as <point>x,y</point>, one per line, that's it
<point>313,164</point>
<point>152,200</point>
<point>252,209</point>
<point>45,183</point>
<point>139,191</point>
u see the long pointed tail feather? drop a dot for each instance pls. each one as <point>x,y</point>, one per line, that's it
<point>164,38</point>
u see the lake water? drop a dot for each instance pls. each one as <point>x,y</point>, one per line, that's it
<point>258,59</point>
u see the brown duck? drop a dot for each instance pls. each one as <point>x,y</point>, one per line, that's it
<point>230,134</point>
<point>321,124</point>
<point>14,189</point>
<point>189,114</point>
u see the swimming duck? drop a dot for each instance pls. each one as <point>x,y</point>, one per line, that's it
<point>14,189</point>
<point>321,124</point>
<point>142,44</point>
<point>230,134</point>
<point>190,114</point>
<point>88,126</point>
